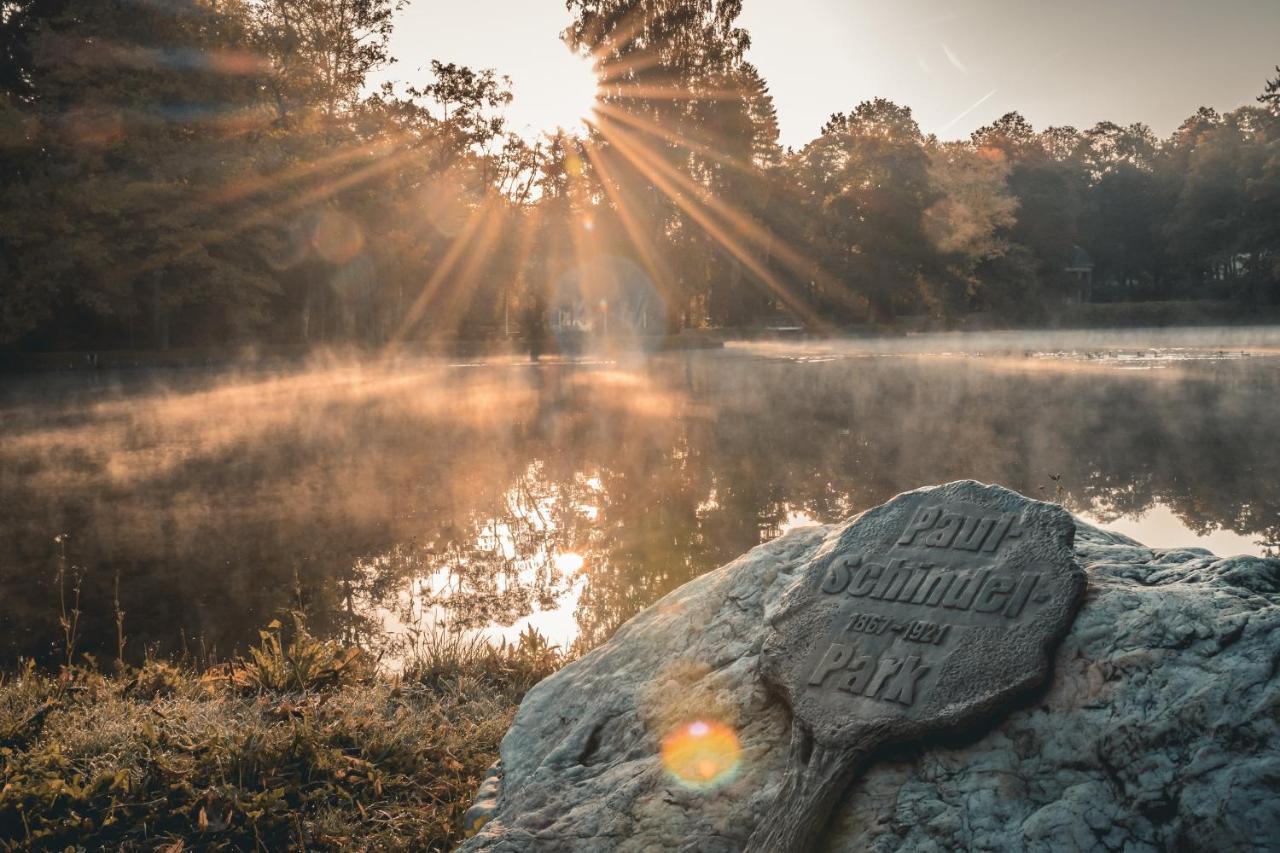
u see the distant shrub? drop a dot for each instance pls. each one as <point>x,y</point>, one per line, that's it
<point>1204,312</point>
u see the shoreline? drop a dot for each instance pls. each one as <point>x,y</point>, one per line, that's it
<point>1117,318</point>
<point>1258,337</point>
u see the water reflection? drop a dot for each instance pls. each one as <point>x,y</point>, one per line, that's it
<point>568,495</point>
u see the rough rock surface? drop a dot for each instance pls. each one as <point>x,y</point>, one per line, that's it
<point>1158,732</point>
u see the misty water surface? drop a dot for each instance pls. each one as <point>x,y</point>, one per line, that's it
<point>567,495</point>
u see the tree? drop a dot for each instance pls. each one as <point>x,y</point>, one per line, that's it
<point>1126,209</point>
<point>867,181</point>
<point>1012,135</point>
<point>323,50</point>
<point>120,151</point>
<point>1221,226</point>
<point>1047,176</point>
<point>685,132</point>
<point>966,224</point>
<point>1271,92</point>
<point>1108,147</point>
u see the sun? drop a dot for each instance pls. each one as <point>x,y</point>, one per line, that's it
<point>560,95</point>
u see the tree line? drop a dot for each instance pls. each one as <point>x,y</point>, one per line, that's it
<point>214,172</point>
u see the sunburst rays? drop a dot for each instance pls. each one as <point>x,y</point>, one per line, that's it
<point>629,158</point>
<point>637,179</point>
<point>629,152</point>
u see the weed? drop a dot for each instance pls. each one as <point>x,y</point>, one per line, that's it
<point>68,618</point>
<point>298,661</point>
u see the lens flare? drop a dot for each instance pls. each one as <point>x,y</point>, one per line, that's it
<point>336,237</point>
<point>702,754</point>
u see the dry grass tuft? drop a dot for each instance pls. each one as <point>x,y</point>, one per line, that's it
<point>300,745</point>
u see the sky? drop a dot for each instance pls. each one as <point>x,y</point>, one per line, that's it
<point>957,64</point>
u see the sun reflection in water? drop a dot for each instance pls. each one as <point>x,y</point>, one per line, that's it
<point>523,568</point>
<point>569,564</point>
<point>703,754</point>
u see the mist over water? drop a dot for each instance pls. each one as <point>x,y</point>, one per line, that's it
<point>493,495</point>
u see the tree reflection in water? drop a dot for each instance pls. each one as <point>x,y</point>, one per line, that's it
<point>419,495</point>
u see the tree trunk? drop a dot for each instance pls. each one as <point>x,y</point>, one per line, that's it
<point>306,315</point>
<point>159,313</point>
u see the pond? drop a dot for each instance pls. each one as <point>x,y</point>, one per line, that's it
<point>388,498</point>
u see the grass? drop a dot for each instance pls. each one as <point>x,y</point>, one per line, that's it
<point>299,745</point>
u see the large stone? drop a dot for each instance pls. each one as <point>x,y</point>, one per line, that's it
<point>1157,731</point>
<point>933,613</point>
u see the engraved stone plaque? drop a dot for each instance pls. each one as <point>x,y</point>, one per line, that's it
<point>932,612</point>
